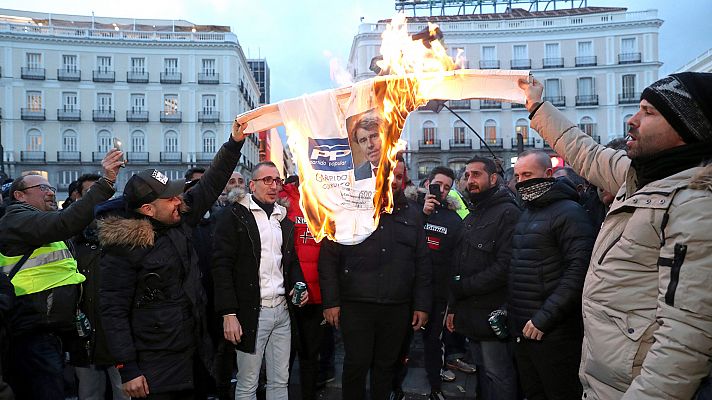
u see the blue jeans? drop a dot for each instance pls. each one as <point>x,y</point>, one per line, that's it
<point>37,367</point>
<point>273,341</point>
<point>495,366</point>
<point>92,383</point>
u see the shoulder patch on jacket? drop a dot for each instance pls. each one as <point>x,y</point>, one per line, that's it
<point>703,179</point>
<point>117,231</point>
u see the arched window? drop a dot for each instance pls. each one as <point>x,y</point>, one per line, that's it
<point>491,131</point>
<point>458,133</point>
<point>209,142</point>
<point>138,141</point>
<point>69,140</point>
<point>424,169</point>
<point>429,133</point>
<point>588,126</point>
<point>103,141</point>
<point>171,142</point>
<point>34,140</point>
<point>522,128</point>
<point>626,127</point>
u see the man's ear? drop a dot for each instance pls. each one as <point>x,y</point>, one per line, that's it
<point>147,210</point>
<point>18,195</point>
<point>549,172</point>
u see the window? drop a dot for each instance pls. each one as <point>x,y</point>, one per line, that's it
<point>209,103</point>
<point>552,88</point>
<point>425,168</point>
<point>585,87</point>
<point>34,100</point>
<point>458,132</point>
<point>69,140</point>
<point>173,174</point>
<point>34,140</point>
<point>138,65</point>
<point>489,53</point>
<point>69,101</point>
<point>103,102</point>
<point>428,132</point>
<point>587,126</point>
<point>209,142</point>
<point>67,177</point>
<point>457,166</point>
<point>34,60</point>
<point>103,64</point>
<point>171,142</point>
<point>551,50</point>
<point>522,128</point>
<point>520,52</point>
<point>628,45</point>
<point>491,131</point>
<point>138,102</point>
<point>103,141</point>
<point>626,127</point>
<point>170,65</point>
<point>628,84</point>
<point>69,63</point>
<point>138,141</point>
<point>209,66</point>
<point>584,49</point>
<point>170,104</point>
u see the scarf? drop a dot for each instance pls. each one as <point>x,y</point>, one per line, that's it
<point>669,162</point>
<point>477,198</point>
<point>268,208</point>
<point>532,189</point>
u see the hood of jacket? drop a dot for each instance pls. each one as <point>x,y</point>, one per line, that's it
<point>117,230</point>
<point>417,194</point>
<point>562,189</point>
<point>703,179</point>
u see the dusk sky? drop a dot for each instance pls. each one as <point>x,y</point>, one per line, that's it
<point>299,38</point>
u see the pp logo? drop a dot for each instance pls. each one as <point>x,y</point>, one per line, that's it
<point>330,154</point>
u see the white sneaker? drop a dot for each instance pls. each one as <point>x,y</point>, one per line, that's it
<point>447,376</point>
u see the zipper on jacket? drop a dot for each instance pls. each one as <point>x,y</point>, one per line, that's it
<point>679,257</point>
<point>610,246</point>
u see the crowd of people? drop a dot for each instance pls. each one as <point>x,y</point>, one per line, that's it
<point>588,281</point>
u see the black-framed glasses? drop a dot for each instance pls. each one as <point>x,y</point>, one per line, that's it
<point>44,188</point>
<point>269,180</point>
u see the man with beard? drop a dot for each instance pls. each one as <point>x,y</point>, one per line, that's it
<point>479,277</point>
<point>153,306</point>
<point>646,302</point>
<point>551,248</point>
<point>373,290</point>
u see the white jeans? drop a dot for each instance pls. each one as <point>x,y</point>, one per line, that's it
<point>92,382</point>
<point>274,343</point>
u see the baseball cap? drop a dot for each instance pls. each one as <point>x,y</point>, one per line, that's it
<point>149,185</point>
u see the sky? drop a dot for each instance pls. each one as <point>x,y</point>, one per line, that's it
<point>300,38</point>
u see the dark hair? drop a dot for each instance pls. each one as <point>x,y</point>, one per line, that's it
<point>292,179</point>
<point>369,121</point>
<point>82,179</point>
<point>618,144</point>
<point>541,157</point>
<point>72,187</point>
<point>18,185</point>
<point>490,166</point>
<point>189,173</point>
<point>442,170</point>
<point>263,164</point>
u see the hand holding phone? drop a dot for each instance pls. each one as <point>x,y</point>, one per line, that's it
<point>434,189</point>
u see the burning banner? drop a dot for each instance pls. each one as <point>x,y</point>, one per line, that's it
<point>345,140</point>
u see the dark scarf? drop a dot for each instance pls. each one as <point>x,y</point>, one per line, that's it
<point>532,189</point>
<point>671,161</point>
<point>478,198</point>
<point>269,208</point>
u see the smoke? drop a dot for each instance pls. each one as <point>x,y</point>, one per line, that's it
<point>337,71</point>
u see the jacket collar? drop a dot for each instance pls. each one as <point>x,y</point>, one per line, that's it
<point>279,211</point>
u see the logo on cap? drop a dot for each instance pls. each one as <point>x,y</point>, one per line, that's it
<point>157,175</point>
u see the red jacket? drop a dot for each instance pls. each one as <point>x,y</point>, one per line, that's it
<point>307,248</point>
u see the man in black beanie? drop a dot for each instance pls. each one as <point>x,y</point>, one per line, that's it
<point>647,303</point>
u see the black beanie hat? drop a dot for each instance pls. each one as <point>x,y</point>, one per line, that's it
<point>685,100</point>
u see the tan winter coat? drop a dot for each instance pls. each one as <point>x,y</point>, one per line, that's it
<point>647,299</point>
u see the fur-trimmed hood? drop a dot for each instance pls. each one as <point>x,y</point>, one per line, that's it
<point>703,179</point>
<point>121,231</point>
<point>413,193</point>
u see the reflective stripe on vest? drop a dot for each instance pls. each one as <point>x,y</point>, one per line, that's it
<point>49,266</point>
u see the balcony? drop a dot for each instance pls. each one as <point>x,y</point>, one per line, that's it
<point>587,100</point>
<point>72,75</point>
<point>522,63</point>
<point>136,116</point>
<point>33,156</point>
<point>586,61</point>
<point>490,105</point>
<point>429,144</point>
<point>518,105</point>
<point>32,114</point>
<point>461,143</point>
<point>556,101</point>
<point>69,115</point>
<point>526,142</point>
<point>629,98</point>
<point>209,79</point>
<point>596,138</point>
<point>208,116</point>
<point>37,74</point>
<point>103,115</point>
<point>69,156</point>
<point>629,58</point>
<point>554,62</point>
<point>171,156</point>
<point>137,157</point>
<point>459,104</point>
<point>493,142</point>
<point>204,158</point>
<point>97,156</point>
<point>172,116</point>
<point>171,77</point>
<point>137,77</point>
<point>489,64</point>
<point>103,76</point>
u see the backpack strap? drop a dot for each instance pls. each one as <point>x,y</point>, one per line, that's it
<point>19,264</point>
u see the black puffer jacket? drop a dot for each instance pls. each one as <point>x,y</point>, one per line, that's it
<point>392,266</point>
<point>152,301</point>
<point>551,249</point>
<point>482,263</point>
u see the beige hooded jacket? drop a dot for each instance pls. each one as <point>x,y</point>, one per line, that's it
<point>647,299</point>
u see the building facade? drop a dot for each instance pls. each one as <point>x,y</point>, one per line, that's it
<point>260,71</point>
<point>168,90</point>
<point>593,62</point>
<point>701,63</point>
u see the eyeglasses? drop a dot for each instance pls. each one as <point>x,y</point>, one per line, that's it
<point>269,180</point>
<point>44,188</point>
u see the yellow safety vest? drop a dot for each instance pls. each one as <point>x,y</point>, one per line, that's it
<point>49,266</point>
